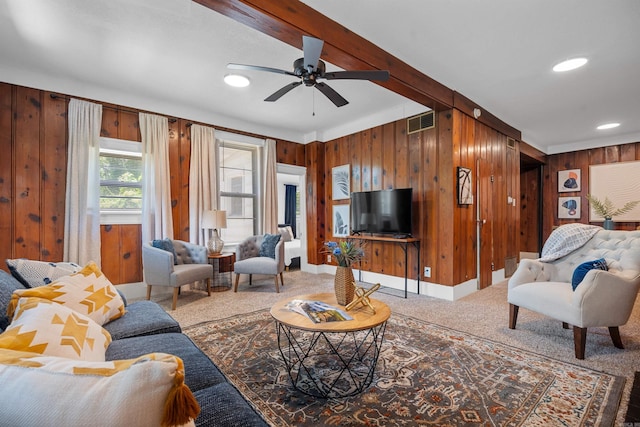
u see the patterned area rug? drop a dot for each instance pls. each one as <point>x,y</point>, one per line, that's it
<point>426,375</point>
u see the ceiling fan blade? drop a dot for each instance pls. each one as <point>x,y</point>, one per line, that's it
<point>381,75</point>
<point>312,49</point>
<point>334,96</point>
<point>259,68</point>
<point>278,94</point>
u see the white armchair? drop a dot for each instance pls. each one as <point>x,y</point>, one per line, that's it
<point>190,265</point>
<point>603,298</point>
<point>249,261</point>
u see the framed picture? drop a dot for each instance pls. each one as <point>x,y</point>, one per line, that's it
<point>465,187</point>
<point>341,220</point>
<point>341,182</point>
<point>569,207</point>
<point>619,183</point>
<point>569,180</point>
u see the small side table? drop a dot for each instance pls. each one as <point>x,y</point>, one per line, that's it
<point>224,263</point>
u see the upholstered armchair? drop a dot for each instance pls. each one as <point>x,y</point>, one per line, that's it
<point>252,257</point>
<point>177,263</point>
<point>602,298</point>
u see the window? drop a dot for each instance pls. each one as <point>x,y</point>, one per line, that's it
<point>120,181</point>
<point>239,189</point>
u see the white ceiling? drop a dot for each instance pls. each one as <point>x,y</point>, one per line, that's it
<point>169,56</point>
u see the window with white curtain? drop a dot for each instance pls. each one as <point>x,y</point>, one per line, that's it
<point>239,189</point>
<point>120,181</point>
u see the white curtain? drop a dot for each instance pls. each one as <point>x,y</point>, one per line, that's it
<point>203,180</point>
<point>82,217</point>
<point>157,220</point>
<point>270,216</point>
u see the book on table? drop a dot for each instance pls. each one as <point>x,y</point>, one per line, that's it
<point>318,311</point>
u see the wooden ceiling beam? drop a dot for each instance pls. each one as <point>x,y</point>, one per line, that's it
<point>289,20</point>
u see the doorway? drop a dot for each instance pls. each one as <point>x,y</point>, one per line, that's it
<point>531,173</point>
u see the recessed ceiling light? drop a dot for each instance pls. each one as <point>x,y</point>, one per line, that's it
<point>570,64</point>
<point>236,80</point>
<point>608,126</point>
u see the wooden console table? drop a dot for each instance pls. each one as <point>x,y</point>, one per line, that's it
<point>404,244</point>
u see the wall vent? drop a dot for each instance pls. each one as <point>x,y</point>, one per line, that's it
<point>421,122</point>
<point>511,143</point>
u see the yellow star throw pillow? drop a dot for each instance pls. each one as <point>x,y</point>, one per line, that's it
<point>88,292</point>
<point>145,391</point>
<point>44,327</point>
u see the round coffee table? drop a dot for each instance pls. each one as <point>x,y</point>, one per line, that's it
<point>330,359</point>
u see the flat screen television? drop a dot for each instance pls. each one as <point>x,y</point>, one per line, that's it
<point>382,212</point>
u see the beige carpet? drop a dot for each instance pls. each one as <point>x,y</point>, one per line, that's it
<point>484,313</point>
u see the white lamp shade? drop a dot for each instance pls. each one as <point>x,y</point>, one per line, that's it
<point>214,219</point>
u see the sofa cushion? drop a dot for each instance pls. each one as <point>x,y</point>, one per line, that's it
<point>54,391</point>
<point>88,292</point>
<point>200,371</point>
<point>223,405</point>
<point>44,327</point>
<point>8,284</point>
<point>166,245</point>
<point>142,318</point>
<point>39,273</point>
<point>268,246</point>
<point>584,268</point>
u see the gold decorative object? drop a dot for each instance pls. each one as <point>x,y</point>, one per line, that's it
<point>363,297</point>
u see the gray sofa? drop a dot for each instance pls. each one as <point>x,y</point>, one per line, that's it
<point>147,328</point>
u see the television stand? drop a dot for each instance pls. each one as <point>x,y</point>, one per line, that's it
<point>404,244</point>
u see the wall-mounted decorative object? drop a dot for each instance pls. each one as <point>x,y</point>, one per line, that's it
<point>620,184</point>
<point>569,180</point>
<point>340,220</point>
<point>465,187</point>
<point>569,207</point>
<point>341,180</point>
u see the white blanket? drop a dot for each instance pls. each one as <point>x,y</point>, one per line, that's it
<point>566,239</point>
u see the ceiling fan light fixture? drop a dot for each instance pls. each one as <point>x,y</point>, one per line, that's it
<point>608,126</point>
<point>569,64</point>
<point>236,80</point>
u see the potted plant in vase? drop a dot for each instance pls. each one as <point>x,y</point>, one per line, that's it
<point>606,209</point>
<point>346,253</point>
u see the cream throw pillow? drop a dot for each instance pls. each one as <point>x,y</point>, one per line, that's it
<point>44,327</point>
<point>146,391</point>
<point>88,292</point>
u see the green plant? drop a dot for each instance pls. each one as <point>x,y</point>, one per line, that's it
<point>606,209</point>
<point>346,252</point>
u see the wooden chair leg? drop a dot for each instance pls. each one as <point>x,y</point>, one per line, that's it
<point>614,331</point>
<point>175,298</point>
<point>250,278</point>
<point>565,325</point>
<point>148,292</point>
<point>277,287</point>
<point>579,341</point>
<point>235,287</point>
<point>513,316</point>
<point>281,280</point>
<point>209,286</point>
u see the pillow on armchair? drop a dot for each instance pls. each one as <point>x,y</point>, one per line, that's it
<point>584,268</point>
<point>268,246</point>
<point>166,245</point>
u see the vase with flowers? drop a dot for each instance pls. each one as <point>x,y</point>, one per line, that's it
<point>346,253</point>
<point>607,210</point>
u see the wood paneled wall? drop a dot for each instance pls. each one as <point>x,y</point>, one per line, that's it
<point>387,157</point>
<point>581,160</point>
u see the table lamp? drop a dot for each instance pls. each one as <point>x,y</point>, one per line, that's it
<point>214,220</point>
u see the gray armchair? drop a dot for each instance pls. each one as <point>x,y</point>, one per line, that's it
<point>249,261</point>
<point>161,269</point>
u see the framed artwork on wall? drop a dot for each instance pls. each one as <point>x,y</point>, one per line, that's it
<point>568,180</point>
<point>619,183</point>
<point>569,207</point>
<point>465,187</point>
<point>341,220</point>
<point>341,182</point>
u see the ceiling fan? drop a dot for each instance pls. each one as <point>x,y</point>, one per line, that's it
<point>310,69</point>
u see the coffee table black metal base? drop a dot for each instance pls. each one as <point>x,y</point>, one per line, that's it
<point>330,364</point>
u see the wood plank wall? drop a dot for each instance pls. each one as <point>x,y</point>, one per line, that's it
<point>581,160</point>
